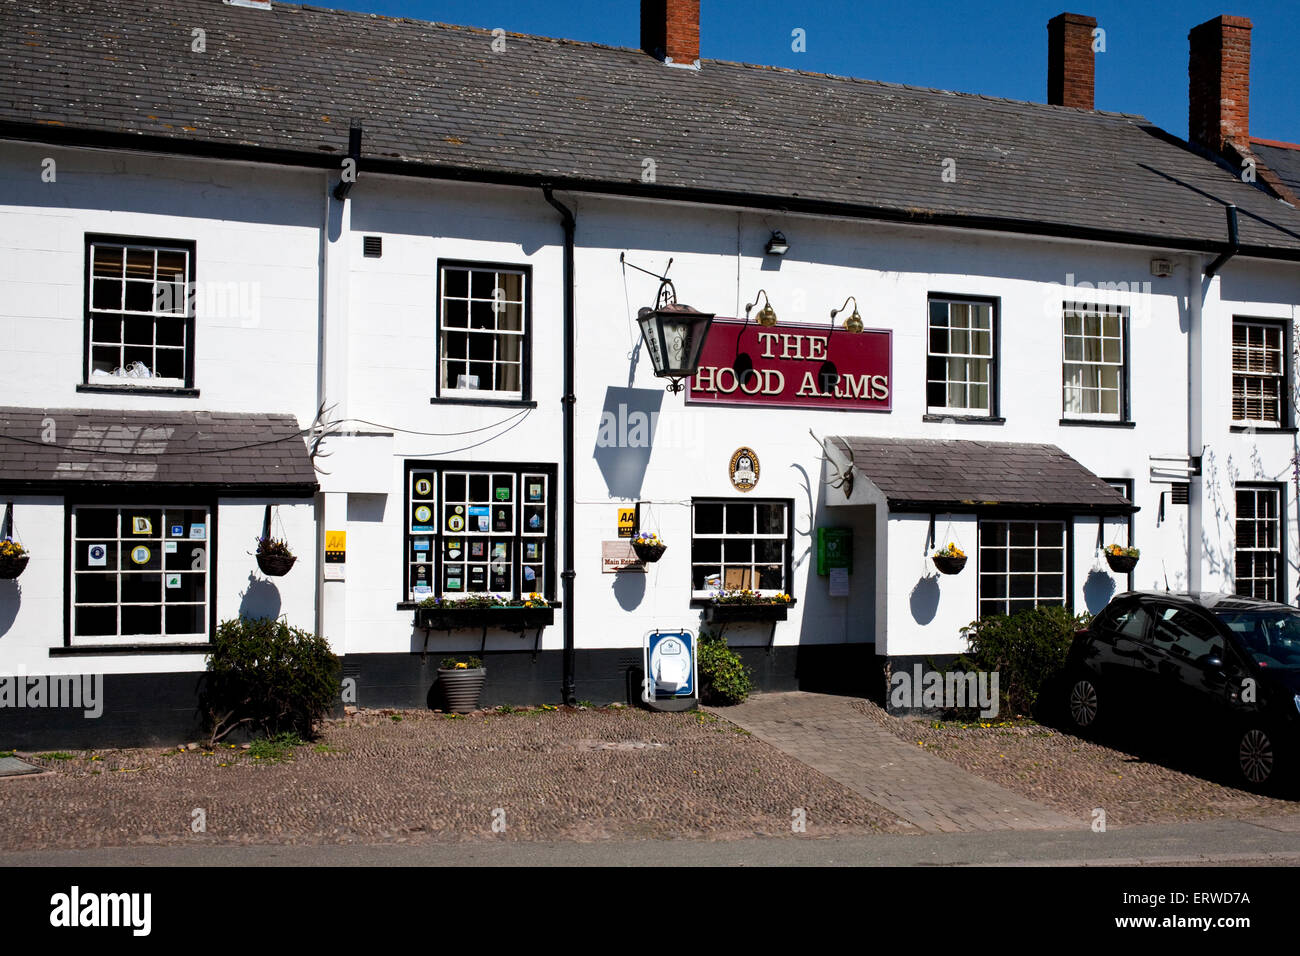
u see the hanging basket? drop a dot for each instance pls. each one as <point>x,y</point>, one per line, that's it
<point>949,565</point>
<point>12,566</point>
<point>275,565</point>
<point>650,553</point>
<point>1121,563</point>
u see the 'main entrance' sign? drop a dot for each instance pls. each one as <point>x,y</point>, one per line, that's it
<point>786,365</point>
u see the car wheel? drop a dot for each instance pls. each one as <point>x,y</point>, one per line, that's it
<point>1084,703</point>
<point>1257,756</point>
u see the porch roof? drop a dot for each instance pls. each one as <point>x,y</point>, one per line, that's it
<point>930,475</point>
<point>44,448</point>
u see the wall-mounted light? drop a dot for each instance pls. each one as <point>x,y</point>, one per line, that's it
<point>854,322</point>
<point>767,315</point>
<point>777,246</point>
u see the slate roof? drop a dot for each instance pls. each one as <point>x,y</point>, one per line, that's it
<point>1282,158</point>
<point>215,450</point>
<point>916,475</point>
<point>435,100</point>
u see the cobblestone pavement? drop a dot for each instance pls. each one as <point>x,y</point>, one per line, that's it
<point>834,737</point>
<point>1133,782</point>
<point>388,777</point>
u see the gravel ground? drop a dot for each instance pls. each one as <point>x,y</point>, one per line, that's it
<point>389,776</point>
<point>1074,775</point>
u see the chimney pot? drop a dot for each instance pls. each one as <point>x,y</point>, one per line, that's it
<point>1070,60</point>
<point>670,31</point>
<point>1218,93</point>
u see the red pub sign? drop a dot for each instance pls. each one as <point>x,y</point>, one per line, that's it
<point>796,366</point>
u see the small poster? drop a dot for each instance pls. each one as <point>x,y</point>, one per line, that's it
<point>178,531</point>
<point>140,554</point>
<point>502,520</point>
<point>499,551</point>
<point>454,523</point>
<point>422,544</point>
<point>502,492</point>
<point>839,582</point>
<point>535,521</point>
<point>423,487</point>
<point>173,580</point>
<point>423,514</point>
<point>532,550</point>
<point>141,525</point>
<point>478,549</point>
<point>478,578</point>
<point>422,590</point>
<point>97,556</point>
<point>169,547</point>
<point>198,532</point>
<point>529,574</point>
<point>479,517</point>
<point>500,580</point>
<point>534,490</point>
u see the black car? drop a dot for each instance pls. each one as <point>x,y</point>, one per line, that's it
<point>1211,669</point>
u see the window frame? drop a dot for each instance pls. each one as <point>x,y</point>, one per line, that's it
<point>1124,414</point>
<point>702,597</point>
<point>1067,566</point>
<point>107,383</point>
<point>994,411</point>
<point>549,562</point>
<point>1278,491</point>
<point>489,397</point>
<point>122,501</point>
<point>1286,413</point>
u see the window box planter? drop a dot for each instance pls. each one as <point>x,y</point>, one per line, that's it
<point>949,565</point>
<point>461,687</point>
<point>649,553</point>
<point>726,613</point>
<point>1121,563</point>
<point>275,565</point>
<point>12,565</point>
<point>507,618</point>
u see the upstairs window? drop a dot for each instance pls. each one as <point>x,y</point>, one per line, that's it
<point>139,313</point>
<point>483,329</point>
<point>1094,368</point>
<point>1258,373</point>
<point>960,366</point>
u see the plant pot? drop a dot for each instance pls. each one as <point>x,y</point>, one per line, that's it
<point>507,618</point>
<point>726,613</point>
<point>461,687</point>
<point>649,553</point>
<point>949,565</point>
<point>1121,563</point>
<point>275,565</point>
<point>11,567</point>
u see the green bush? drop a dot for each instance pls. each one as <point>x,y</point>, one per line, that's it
<point>1027,650</point>
<point>723,678</point>
<point>269,676</point>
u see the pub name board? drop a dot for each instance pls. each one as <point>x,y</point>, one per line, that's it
<point>785,365</point>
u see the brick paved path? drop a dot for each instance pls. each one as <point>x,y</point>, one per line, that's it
<point>928,792</point>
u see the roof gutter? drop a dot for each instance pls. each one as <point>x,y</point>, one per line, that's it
<point>242,152</point>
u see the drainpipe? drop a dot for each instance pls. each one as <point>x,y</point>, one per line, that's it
<point>569,685</point>
<point>1233,245</point>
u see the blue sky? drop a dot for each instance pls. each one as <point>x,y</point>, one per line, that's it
<point>996,47</point>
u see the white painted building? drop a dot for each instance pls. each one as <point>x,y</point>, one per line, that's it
<point>413,325</point>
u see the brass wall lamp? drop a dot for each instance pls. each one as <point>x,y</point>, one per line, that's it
<point>828,374</point>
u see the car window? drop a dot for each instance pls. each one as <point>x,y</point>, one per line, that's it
<point>1185,634</point>
<point>1131,622</point>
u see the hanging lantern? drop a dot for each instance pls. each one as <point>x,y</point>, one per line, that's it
<point>674,336</point>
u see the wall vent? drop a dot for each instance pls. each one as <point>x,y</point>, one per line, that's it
<point>1178,494</point>
<point>374,246</point>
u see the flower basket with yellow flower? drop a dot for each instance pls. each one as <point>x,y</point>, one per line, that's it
<point>1122,560</point>
<point>461,680</point>
<point>485,610</point>
<point>745,604</point>
<point>13,559</point>
<point>648,547</point>
<point>949,560</point>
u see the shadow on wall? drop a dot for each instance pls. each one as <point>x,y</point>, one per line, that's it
<point>625,436</point>
<point>260,599</point>
<point>1098,590</point>
<point>11,597</point>
<point>629,589</point>
<point>925,599</point>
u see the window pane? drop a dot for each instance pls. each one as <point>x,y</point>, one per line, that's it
<point>708,519</point>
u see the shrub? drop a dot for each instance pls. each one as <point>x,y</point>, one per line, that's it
<point>723,678</point>
<point>1027,650</point>
<point>266,674</point>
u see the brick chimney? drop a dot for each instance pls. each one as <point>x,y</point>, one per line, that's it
<point>1070,60</point>
<point>670,31</point>
<point>1218,95</point>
